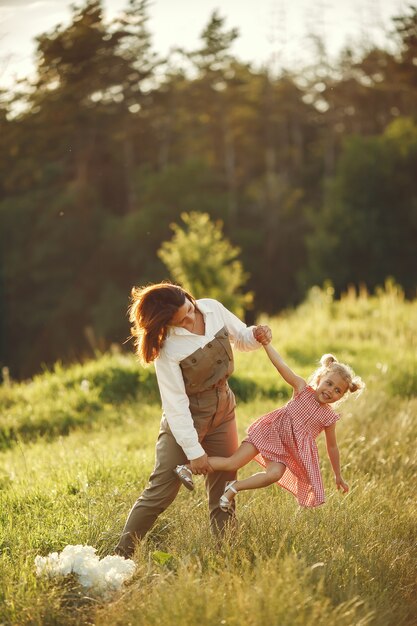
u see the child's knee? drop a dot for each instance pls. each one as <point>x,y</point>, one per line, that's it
<point>275,473</point>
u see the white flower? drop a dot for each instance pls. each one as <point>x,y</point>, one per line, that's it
<point>114,570</point>
<point>85,385</point>
<point>101,575</point>
<point>47,564</point>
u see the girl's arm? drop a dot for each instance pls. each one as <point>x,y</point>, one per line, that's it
<point>333,452</point>
<point>286,372</point>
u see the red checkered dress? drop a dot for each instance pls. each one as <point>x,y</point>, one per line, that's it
<point>287,435</point>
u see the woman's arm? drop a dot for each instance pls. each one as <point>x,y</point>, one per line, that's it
<point>333,452</point>
<point>241,336</point>
<point>286,372</point>
<point>176,406</point>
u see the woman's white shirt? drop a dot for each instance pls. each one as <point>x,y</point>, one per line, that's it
<point>179,344</point>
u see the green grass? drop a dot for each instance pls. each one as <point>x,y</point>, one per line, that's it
<point>75,457</point>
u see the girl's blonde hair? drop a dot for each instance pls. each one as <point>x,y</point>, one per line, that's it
<point>329,363</point>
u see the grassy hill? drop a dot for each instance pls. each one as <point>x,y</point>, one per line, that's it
<point>77,447</point>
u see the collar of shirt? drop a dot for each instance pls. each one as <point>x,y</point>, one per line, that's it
<point>205,310</point>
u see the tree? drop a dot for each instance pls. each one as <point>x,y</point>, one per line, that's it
<point>203,262</point>
<point>367,230</point>
<point>213,95</point>
<point>102,153</point>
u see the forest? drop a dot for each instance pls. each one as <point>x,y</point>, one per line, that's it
<point>312,174</point>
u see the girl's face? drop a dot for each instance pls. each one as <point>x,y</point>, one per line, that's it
<point>185,316</point>
<point>331,387</point>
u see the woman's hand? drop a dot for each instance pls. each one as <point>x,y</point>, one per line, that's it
<point>200,465</point>
<point>262,334</point>
<point>340,484</point>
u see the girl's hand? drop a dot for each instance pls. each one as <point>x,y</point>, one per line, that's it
<point>262,334</point>
<point>340,484</point>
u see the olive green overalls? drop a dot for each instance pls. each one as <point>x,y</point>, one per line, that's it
<point>212,406</point>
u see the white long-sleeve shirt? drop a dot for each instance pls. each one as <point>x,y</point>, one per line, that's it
<point>179,344</point>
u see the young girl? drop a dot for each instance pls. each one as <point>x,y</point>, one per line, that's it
<point>283,441</point>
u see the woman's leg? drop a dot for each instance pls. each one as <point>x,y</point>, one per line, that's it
<point>273,472</point>
<point>223,442</point>
<point>245,453</point>
<point>161,490</point>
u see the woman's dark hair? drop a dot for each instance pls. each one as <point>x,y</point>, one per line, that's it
<point>150,312</point>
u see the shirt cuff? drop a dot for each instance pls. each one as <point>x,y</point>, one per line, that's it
<point>194,452</point>
<point>255,342</point>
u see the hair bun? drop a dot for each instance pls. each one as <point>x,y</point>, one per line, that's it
<point>357,384</point>
<point>327,359</point>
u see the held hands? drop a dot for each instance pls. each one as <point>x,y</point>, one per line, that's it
<point>200,465</point>
<point>262,334</point>
<point>340,484</point>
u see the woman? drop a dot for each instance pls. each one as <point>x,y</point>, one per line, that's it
<point>189,341</point>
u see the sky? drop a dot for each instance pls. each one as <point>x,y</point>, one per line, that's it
<point>271,31</point>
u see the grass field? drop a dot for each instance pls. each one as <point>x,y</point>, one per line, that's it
<point>77,446</point>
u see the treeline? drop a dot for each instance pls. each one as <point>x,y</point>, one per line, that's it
<point>312,174</point>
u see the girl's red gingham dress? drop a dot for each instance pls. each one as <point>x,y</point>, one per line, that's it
<point>287,435</point>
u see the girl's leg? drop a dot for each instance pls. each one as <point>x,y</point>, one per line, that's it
<point>245,453</point>
<point>273,472</point>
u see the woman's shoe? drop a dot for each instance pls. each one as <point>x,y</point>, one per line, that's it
<point>185,475</point>
<point>226,504</point>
